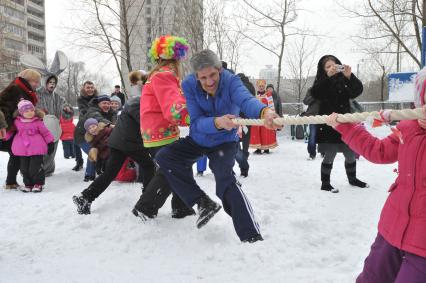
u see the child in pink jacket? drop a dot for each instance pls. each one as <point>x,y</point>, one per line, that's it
<point>31,142</point>
<point>399,252</point>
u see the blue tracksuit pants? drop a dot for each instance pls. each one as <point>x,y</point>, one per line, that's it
<point>175,162</point>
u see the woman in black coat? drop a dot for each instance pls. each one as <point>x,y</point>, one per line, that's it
<point>334,87</point>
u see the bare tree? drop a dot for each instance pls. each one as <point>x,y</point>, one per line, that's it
<point>301,59</point>
<point>392,24</point>
<point>108,28</point>
<point>219,34</point>
<point>274,19</point>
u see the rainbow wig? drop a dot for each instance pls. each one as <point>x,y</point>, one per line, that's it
<point>168,47</point>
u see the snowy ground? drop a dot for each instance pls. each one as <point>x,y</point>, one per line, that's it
<point>310,235</point>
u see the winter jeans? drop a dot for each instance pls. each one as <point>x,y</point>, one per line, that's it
<point>312,145</point>
<point>32,170</point>
<point>68,147</point>
<point>156,193</point>
<point>176,162</point>
<point>387,264</point>
<point>113,165</point>
<point>49,161</point>
<point>13,163</point>
<point>90,166</point>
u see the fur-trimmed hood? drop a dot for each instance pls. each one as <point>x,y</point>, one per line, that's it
<point>101,126</point>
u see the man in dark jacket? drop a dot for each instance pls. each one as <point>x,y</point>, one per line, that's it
<point>125,141</point>
<point>99,109</point>
<point>243,152</point>
<point>117,92</point>
<point>87,93</point>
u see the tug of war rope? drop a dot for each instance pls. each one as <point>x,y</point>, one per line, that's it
<point>384,116</point>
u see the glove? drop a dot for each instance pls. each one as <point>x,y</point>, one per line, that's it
<point>50,148</point>
<point>93,154</point>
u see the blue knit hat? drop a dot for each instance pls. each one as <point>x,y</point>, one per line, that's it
<point>89,122</point>
<point>102,98</point>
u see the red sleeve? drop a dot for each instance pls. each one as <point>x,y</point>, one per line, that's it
<point>382,151</point>
<point>170,97</point>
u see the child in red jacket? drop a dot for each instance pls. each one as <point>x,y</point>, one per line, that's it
<point>399,251</point>
<point>67,136</point>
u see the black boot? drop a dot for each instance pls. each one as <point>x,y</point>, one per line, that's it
<point>83,204</point>
<point>253,239</point>
<point>351,173</point>
<point>325,178</point>
<point>206,209</point>
<point>78,166</point>
<point>142,215</point>
<point>182,212</point>
<point>257,151</point>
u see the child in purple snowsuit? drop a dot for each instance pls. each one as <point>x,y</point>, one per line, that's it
<point>31,142</point>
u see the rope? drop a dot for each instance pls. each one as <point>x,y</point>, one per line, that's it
<point>395,115</point>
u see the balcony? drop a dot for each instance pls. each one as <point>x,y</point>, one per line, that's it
<point>35,7</point>
<point>36,19</point>
<point>37,31</point>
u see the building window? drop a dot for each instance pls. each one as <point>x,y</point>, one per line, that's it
<point>14,45</point>
<point>35,49</point>
<point>36,25</point>
<point>37,2</point>
<point>14,13</point>
<point>16,30</point>
<point>20,2</point>
<point>35,13</point>
<point>35,37</point>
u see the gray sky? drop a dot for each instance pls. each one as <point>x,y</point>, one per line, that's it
<point>324,17</point>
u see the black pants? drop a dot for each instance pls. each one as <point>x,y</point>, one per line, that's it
<point>32,170</point>
<point>112,167</point>
<point>13,163</point>
<point>156,193</point>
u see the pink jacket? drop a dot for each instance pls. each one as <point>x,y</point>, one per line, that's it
<point>31,138</point>
<point>403,218</point>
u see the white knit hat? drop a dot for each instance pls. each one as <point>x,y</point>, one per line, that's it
<point>420,88</point>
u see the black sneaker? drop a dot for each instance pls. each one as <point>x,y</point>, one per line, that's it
<point>182,213</point>
<point>142,215</point>
<point>266,151</point>
<point>358,183</point>
<point>200,174</point>
<point>78,166</point>
<point>206,209</point>
<point>253,239</point>
<point>83,205</point>
<point>257,151</point>
<point>328,187</point>
<point>244,173</point>
<point>89,178</point>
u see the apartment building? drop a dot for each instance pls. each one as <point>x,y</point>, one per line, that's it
<point>22,30</point>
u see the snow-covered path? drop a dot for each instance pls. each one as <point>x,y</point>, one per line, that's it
<point>310,235</point>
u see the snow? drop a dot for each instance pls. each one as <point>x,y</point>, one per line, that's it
<point>310,235</point>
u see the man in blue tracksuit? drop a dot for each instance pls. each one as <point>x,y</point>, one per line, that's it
<point>214,97</point>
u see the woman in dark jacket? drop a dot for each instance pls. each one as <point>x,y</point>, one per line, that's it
<point>21,88</point>
<point>334,87</point>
